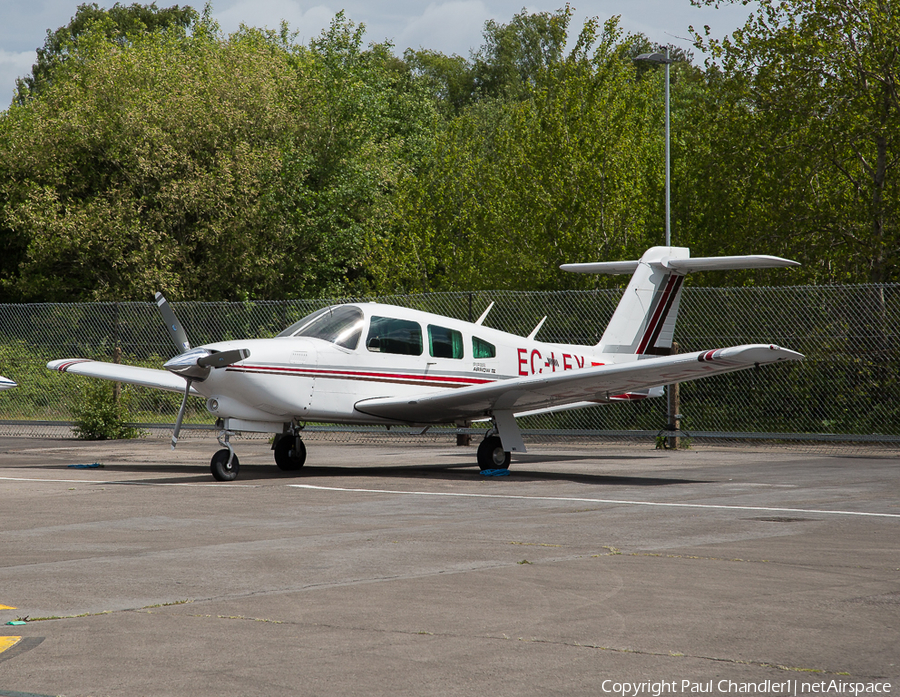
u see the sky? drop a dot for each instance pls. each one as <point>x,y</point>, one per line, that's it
<point>448,26</point>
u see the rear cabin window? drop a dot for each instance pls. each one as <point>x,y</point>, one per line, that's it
<point>444,343</point>
<point>482,349</point>
<point>389,335</point>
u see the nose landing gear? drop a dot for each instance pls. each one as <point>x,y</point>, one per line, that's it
<point>224,464</point>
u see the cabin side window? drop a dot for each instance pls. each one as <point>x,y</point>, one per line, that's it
<point>444,343</point>
<point>389,335</point>
<point>482,349</point>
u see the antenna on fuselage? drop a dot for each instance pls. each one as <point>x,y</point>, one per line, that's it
<point>484,314</point>
<point>537,328</point>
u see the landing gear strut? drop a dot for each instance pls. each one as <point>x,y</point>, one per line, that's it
<point>224,464</point>
<point>290,452</point>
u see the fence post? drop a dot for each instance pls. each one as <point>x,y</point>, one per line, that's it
<point>673,408</point>
<point>462,439</point>
<point>117,350</point>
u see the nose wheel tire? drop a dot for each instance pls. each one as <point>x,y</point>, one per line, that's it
<point>290,453</point>
<point>491,455</point>
<point>222,469</point>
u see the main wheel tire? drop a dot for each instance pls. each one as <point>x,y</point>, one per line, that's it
<point>491,455</point>
<point>290,453</point>
<point>221,469</point>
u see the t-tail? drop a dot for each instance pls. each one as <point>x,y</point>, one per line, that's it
<point>643,324</point>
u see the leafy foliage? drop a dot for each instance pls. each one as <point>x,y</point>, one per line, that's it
<point>119,24</point>
<point>211,167</point>
<point>803,115</point>
<point>513,187</point>
<point>149,151</point>
<point>101,414</point>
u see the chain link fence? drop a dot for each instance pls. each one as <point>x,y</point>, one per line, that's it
<point>847,390</point>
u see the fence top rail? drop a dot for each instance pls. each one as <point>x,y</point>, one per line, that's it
<point>829,288</point>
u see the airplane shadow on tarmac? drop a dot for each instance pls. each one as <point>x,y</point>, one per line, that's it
<point>199,474</point>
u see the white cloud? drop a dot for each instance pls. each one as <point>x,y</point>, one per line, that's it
<point>268,14</point>
<point>449,27</point>
<point>13,65</point>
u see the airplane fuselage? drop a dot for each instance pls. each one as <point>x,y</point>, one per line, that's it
<point>307,378</point>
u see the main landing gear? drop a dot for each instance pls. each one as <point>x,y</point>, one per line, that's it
<point>491,455</point>
<point>290,452</point>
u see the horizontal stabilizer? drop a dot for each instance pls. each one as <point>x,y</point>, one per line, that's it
<point>608,267</point>
<point>644,321</point>
<point>750,261</point>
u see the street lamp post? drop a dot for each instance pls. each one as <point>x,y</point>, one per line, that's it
<point>673,400</point>
<point>663,58</point>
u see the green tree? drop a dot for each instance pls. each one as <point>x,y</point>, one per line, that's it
<point>143,167</point>
<point>211,167</point>
<point>120,24</point>
<point>369,120</point>
<point>515,186</point>
<point>515,57</point>
<point>805,125</point>
<point>449,79</point>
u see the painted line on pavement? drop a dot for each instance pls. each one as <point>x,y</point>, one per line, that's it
<point>17,648</point>
<point>7,642</point>
<point>618,502</point>
<point>124,483</point>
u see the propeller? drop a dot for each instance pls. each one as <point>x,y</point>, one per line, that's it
<point>222,359</point>
<point>191,364</point>
<point>176,332</point>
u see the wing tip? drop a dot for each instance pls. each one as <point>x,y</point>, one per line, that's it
<point>63,364</point>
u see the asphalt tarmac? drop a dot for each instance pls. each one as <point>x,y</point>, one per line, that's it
<point>401,570</point>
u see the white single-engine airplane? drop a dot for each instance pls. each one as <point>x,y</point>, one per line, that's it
<point>368,363</point>
<point>6,383</point>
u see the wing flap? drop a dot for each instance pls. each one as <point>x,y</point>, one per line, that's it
<point>595,385</point>
<point>133,375</point>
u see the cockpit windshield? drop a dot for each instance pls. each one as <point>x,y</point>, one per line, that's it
<point>341,325</point>
<point>301,323</point>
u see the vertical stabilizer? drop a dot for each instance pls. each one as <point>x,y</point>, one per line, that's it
<point>644,321</point>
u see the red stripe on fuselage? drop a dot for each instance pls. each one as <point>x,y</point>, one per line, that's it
<point>403,378</point>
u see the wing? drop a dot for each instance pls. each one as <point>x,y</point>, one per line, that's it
<point>133,375</point>
<point>595,385</point>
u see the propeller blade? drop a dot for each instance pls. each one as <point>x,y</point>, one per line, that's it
<point>187,392</point>
<point>222,359</point>
<point>172,324</point>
